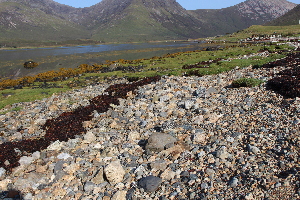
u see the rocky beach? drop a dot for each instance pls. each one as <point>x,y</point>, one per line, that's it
<point>178,138</point>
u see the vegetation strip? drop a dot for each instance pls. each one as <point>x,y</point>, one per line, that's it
<point>43,85</point>
<point>68,124</point>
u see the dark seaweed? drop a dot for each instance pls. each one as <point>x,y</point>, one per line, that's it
<point>292,60</point>
<point>203,64</point>
<point>287,82</point>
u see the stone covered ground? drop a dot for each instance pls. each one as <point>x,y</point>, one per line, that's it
<point>178,138</point>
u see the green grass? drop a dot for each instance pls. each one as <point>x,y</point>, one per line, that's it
<point>246,82</point>
<point>293,30</point>
<point>27,95</point>
<point>155,66</point>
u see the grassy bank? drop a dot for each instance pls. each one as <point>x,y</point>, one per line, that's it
<point>171,64</point>
<point>293,30</point>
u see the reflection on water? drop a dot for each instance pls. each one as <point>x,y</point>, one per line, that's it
<point>11,61</point>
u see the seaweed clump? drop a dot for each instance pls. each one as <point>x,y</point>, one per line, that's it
<point>68,124</point>
<point>288,86</point>
<point>287,82</point>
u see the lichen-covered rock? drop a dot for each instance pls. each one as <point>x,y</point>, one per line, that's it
<point>114,172</point>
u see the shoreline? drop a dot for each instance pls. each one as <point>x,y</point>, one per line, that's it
<point>75,45</point>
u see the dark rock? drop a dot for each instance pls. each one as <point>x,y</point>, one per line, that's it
<point>130,194</point>
<point>30,64</point>
<point>150,183</point>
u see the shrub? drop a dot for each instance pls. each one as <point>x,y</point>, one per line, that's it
<point>246,82</point>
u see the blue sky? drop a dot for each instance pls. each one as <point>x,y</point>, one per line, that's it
<point>188,4</point>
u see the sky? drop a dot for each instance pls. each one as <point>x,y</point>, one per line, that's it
<point>187,4</point>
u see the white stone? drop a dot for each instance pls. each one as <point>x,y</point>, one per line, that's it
<point>213,118</point>
<point>36,155</point>
<point>188,104</point>
<point>55,146</point>
<point>249,196</point>
<point>253,149</point>
<point>198,120</point>
<point>97,146</point>
<point>222,153</point>
<point>64,156</point>
<point>28,196</point>
<point>168,174</point>
<point>134,135</point>
<point>114,172</point>
<point>2,172</point>
<point>89,137</point>
<point>25,160</point>
<point>40,121</point>
<point>4,183</point>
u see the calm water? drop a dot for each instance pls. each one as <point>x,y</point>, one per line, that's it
<point>11,61</point>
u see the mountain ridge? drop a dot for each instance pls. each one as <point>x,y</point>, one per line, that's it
<point>129,20</point>
<point>290,18</point>
<point>244,14</point>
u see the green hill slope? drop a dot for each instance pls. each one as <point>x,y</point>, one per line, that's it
<point>20,21</point>
<point>141,20</point>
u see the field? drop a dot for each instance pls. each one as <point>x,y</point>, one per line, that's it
<point>285,31</point>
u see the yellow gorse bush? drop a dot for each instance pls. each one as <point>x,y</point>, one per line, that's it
<point>62,74</point>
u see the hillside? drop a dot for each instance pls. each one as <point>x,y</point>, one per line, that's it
<point>135,20</point>
<point>30,21</point>
<point>128,20</point>
<point>243,15</point>
<point>290,18</point>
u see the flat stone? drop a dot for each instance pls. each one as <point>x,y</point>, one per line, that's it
<point>158,141</point>
<point>99,178</point>
<point>119,195</point>
<point>89,186</point>
<point>158,165</point>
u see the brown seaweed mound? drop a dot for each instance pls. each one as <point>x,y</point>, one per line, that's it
<point>287,82</point>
